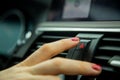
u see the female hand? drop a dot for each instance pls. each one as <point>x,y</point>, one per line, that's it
<point>41,66</point>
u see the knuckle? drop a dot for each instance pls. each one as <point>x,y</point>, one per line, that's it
<point>57,62</point>
<point>63,42</point>
<point>46,47</point>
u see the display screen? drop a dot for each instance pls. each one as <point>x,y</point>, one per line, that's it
<point>84,10</point>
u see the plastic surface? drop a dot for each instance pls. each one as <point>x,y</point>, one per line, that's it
<point>84,50</point>
<point>11,31</point>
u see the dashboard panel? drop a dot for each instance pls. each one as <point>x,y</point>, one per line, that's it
<point>100,31</point>
<point>102,36</point>
<point>86,10</point>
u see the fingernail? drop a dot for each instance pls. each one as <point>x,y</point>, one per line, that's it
<point>75,39</point>
<point>96,67</point>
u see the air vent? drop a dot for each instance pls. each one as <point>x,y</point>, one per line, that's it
<point>108,48</point>
<point>47,37</point>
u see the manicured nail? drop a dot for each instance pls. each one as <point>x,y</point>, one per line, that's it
<point>96,67</point>
<point>75,39</point>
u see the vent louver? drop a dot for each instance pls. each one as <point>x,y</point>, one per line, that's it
<point>47,37</point>
<point>108,48</point>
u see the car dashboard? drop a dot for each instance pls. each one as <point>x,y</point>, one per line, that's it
<point>99,35</point>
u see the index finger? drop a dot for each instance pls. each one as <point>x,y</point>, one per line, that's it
<point>49,50</point>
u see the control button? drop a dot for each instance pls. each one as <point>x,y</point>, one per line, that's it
<point>115,61</point>
<point>79,51</point>
<point>82,46</point>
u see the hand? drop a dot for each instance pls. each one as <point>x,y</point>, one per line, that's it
<point>41,66</point>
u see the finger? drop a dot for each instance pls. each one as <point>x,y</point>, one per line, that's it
<point>66,66</point>
<point>49,50</point>
<point>45,77</point>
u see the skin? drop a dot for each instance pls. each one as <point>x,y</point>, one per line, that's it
<point>41,66</point>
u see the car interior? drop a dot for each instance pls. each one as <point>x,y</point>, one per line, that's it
<point>25,25</point>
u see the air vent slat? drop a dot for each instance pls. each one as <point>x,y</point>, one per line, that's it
<point>111,39</point>
<point>62,54</point>
<point>39,43</point>
<point>38,46</point>
<point>32,50</point>
<point>47,37</point>
<point>106,68</point>
<point>53,37</point>
<point>110,48</point>
<point>102,57</point>
<point>50,38</point>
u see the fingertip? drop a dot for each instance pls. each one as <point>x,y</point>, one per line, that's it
<point>90,69</point>
<point>75,39</point>
<point>69,42</point>
<point>96,69</point>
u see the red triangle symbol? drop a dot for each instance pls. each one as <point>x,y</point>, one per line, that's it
<point>82,45</point>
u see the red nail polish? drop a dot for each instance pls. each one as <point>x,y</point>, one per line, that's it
<point>75,39</point>
<point>96,67</point>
